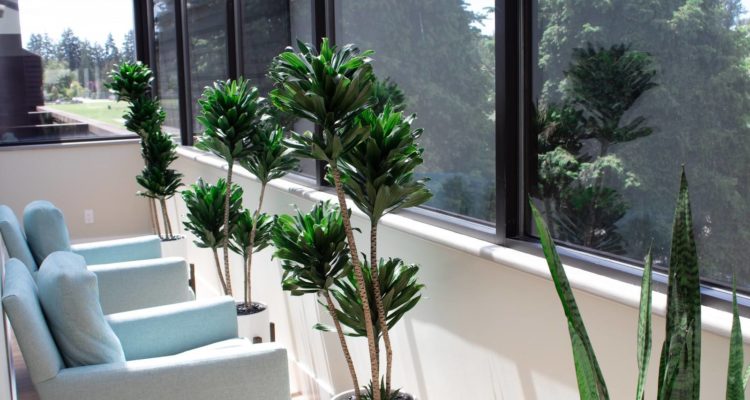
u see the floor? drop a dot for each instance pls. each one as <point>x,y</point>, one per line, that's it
<point>23,381</point>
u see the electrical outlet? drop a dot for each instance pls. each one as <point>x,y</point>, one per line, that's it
<point>88,216</point>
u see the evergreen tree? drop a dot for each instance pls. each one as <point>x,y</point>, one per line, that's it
<point>699,111</point>
<point>69,49</point>
<point>128,46</point>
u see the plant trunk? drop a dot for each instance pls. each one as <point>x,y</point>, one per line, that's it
<point>344,347</point>
<point>374,263</point>
<point>218,271</point>
<point>227,272</point>
<point>154,217</point>
<point>371,339</point>
<point>165,216</point>
<point>249,262</point>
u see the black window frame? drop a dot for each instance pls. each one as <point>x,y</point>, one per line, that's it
<point>515,148</point>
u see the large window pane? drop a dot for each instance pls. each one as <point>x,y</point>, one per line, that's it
<point>265,34</point>
<point>624,94</point>
<point>443,58</point>
<point>53,70</point>
<point>207,36</point>
<point>165,51</point>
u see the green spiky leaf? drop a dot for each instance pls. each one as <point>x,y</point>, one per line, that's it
<point>591,383</point>
<point>644,327</point>
<point>679,371</point>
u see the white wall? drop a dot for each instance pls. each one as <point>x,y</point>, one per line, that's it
<point>97,175</point>
<point>483,330</point>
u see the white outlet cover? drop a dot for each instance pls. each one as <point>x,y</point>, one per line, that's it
<point>88,216</point>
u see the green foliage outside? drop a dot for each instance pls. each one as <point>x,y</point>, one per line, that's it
<point>696,111</point>
<point>445,66</point>
<point>105,111</point>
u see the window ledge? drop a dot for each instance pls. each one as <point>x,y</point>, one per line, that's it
<point>713,320</point>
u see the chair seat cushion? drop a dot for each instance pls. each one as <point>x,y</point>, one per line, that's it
<point>45,229</point>
<point>14,238</point>
<point>69,296</point>
<point>224,345</point>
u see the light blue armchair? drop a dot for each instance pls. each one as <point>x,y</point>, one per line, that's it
<point>179,351</point>
<point>131,273</point>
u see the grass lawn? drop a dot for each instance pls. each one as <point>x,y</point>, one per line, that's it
<point>108,112</point>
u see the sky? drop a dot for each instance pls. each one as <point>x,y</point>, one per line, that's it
<point>488,25</point>
<point>89,19</point>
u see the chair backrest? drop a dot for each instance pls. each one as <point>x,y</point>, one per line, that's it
<point>14,238</point>
<point>45,229</point>
<point>21,304</point>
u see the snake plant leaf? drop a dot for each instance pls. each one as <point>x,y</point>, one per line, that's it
<point>735,380</point>
<point>746,377</point>
<point>591,384</point>
<point>644,327</point>
<point>679,375</point>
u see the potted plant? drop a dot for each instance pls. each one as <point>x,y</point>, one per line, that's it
<point>679,369</point>
<point>131,82</point>
<point>371,156</point>
<point>239,129</point>
<point>269,159</point>
<point>230,113</point>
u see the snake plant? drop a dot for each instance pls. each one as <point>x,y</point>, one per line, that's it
<point>679,367</point>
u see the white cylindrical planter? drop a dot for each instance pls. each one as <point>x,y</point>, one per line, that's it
<point>176,247</point>
<point>257,325</point>
<point>349,394</point>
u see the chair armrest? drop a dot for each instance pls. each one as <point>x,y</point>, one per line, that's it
<point>140,284</point>
<point>119,250</point>
<point>247,372</point>
<point>169,330</point>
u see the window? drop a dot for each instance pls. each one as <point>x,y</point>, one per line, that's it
<point>600,105</point>
<point>54,70</point>
<point>165,56</point>
<point>443,58</point>
<point>268,27</point>
<point>623,95</point>
<point>207,38</point>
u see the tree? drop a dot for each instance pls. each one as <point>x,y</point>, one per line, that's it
<point>699,110</point>
<point>36,44</point>
<point>69,49</point>
<point>111,52</point>
<point>440,60</point>
<point>128,47</point>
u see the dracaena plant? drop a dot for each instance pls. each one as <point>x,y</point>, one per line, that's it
<point>231,112</point>
<point>131,82</point>
<point>269,159</point>
<point>330,88</point>
<point>314,256</point>
<point>206,216</point>
<point>679,369</point>
<point>371,157</point>
<point>378,175</point>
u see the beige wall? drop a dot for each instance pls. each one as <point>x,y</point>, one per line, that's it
<point>75,177</point>
<point>482,331</point>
